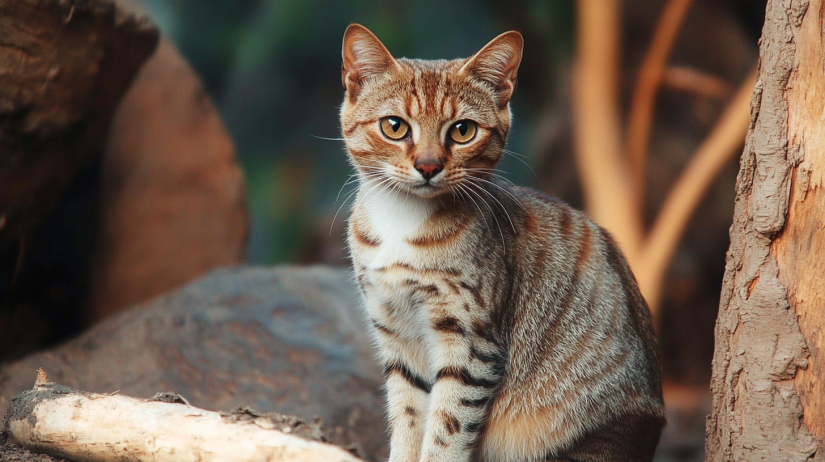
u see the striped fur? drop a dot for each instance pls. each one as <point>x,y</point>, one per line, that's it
<point>509,325</point>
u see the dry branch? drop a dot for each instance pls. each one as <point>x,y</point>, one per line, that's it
<point>697,82</point>
<point>613,180</point>
<point>715,151</point>
<point>640,119</point>
<point>596,125</point>
<point>63,422</point>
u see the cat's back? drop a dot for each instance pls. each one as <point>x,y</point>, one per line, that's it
<point>585,271</point>
<point>583,360</point>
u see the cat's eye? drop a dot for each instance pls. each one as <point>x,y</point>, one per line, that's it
<point>463,131</point>
<point>394,128</point>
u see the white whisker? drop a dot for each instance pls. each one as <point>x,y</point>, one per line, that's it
<point>328,139</point>
<point>503,208</point>
<point>520,158</point>
<point>502,189</point>
<point>484,201</point>
<point>331,225</point>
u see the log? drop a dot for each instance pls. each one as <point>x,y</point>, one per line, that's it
<point>59,421</point>
<point>64,66</point>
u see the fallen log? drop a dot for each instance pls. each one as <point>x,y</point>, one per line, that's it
<point>64,67</point>
<point>59,421</point>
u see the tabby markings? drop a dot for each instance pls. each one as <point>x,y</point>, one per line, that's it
<point>409,376</point>
<point>363,238</point>
<point>463,375</point>
<point>448,324</point>
<point>451,423</point>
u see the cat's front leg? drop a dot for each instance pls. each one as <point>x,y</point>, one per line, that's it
<point>405,367</point>
<point>407,394</point>
<point>469,370</point>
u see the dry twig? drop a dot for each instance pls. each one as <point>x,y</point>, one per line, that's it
<point>718,147</point>
<point>640,119</point>
<point>697,82</point>
<point>86,427</point>
<point>596,125</point>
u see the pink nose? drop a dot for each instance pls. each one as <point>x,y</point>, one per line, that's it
<point>429,169</point>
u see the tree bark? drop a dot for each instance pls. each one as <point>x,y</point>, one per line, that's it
<point>768,365</point>
<point>85,427</point>
<point>64,66</point>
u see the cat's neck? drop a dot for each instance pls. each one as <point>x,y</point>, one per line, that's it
<point>394,215</point>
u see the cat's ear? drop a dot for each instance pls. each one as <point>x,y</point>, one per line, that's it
<point>364,57</point>
<point>497,63</point>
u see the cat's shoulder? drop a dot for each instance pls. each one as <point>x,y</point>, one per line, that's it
<point>545,203</point>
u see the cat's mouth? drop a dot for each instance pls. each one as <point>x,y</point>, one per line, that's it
<point>427,189</point>
<point>424,188</point>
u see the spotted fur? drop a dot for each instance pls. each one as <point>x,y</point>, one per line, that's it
<point>509,325</point>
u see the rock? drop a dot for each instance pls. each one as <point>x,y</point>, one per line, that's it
<point>64,67</point>
<point>289,340</point>
<point>173,198</point>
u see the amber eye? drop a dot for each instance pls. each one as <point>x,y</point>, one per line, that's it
<point>394,128</point>
<point>463,131</point>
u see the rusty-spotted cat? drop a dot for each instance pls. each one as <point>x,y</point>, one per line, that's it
<point>509,325</point>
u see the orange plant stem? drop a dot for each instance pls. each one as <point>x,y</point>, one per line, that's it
<point>719,146</point>
<point>596,124</point>
<point>640,119</point>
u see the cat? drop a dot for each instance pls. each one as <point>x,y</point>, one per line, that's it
<point>509,325</point>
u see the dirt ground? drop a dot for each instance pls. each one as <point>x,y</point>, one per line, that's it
<point>12,453</point>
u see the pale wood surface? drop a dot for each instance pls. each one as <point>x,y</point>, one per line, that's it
<point>93,427</point>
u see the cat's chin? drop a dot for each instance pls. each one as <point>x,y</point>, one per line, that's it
<point>427,191</point>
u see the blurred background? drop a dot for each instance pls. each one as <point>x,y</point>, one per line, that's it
<point>272,70</point>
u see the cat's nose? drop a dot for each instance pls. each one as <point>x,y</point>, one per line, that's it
<point>429,168</point>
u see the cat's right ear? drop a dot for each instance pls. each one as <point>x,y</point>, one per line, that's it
<point>497,63</point>
<point>364,57</point>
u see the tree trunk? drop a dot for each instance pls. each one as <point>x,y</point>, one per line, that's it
<point>768,367</point>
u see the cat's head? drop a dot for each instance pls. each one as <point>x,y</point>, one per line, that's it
<point>426,127</point>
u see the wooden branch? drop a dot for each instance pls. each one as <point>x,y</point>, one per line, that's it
<point>717,149</point>
<point>640,119</point>
<point>695,81</point>
<point>62,422</point>
<point>596,125</point>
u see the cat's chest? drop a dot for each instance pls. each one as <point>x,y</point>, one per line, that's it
<point>384,228</point>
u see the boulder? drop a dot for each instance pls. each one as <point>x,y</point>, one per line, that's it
<point>173,204</point>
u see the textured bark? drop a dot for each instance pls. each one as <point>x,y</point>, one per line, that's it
<point>64,66</point>
<point>86,427</point>
<point>767,367</point>
<point>799,249</point>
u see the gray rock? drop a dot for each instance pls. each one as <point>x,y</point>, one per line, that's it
<point>285,339</point>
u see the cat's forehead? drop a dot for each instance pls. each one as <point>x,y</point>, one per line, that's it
<point>431,65</point>
<point>434,89</point>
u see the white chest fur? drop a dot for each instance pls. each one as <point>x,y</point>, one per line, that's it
<point>394,218</point>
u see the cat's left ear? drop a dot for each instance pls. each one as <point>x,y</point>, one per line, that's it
<point>497,63</point>
<point>364,57</point>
